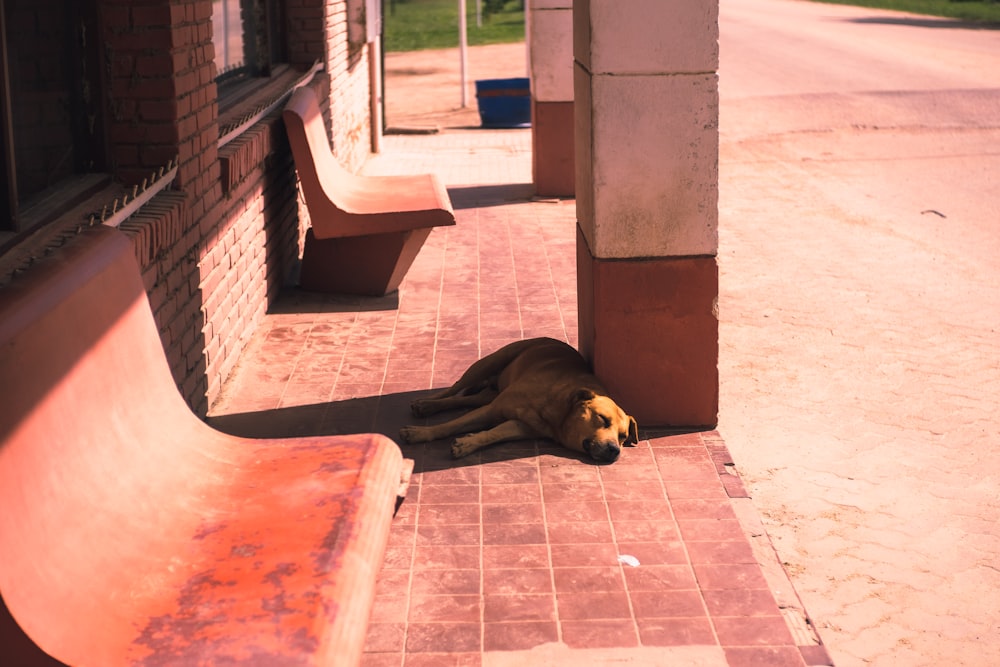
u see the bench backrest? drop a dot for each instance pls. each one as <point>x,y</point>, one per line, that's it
<point>328,188</point>
<point>343,204</point>
<point>131,532</point>
<point>93,439</point>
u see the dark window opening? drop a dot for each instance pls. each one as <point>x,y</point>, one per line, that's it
<point>249,39</point>
<point>50,102</point>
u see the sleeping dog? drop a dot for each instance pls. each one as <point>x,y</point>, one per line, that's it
<point>536,388</point>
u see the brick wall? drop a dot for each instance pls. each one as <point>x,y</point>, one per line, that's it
<point>225,249</point>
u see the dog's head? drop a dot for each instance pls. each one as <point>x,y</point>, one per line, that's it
<point>596,426</point>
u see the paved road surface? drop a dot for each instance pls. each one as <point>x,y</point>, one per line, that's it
<point>860,306</point>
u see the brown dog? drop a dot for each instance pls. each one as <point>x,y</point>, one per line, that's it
<point>537,388</point>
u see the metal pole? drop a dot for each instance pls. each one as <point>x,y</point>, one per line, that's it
<point>463,50</point>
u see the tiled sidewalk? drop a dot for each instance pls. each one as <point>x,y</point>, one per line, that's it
<point>524,554</point>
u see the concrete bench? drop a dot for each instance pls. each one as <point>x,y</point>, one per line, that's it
<point>365,230</point>
<point>133,533</point>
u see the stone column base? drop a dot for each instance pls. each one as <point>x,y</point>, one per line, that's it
<point>650,328</point>
<point>552,146</point>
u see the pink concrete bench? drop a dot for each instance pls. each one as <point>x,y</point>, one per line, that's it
<point>365,230</point>
<point>132,533</point>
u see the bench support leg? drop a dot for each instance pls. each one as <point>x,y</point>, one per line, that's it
<point>363,265</point>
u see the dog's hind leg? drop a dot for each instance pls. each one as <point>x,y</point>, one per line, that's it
<point>424,407</point>
<point>484,372</point>
<point>508,430</point>
<point>477,420</point>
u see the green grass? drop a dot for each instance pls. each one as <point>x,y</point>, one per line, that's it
<point>433,24</point>
<point>987,12</point>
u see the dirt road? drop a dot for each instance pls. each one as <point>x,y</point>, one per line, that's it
<point>860,311</point>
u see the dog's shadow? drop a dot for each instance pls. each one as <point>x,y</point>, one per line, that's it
<point>385,414</point>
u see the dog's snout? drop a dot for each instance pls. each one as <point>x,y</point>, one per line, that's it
<point>605,452</point>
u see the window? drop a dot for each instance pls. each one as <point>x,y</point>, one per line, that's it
<point>248,38</point>
<point>51,125</point>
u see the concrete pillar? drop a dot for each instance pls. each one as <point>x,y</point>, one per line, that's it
<point>647,143</point>
<point>550,50</point>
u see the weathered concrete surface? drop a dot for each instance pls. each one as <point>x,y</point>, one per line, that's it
<point>860,317</point>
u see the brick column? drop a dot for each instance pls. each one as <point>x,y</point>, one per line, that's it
<point>647,139</point>
<point>551,62</point>
<point>162,90</point>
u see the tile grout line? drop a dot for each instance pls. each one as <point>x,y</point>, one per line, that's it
<point>618,553</point>
<point>684,546</point>
<point>548,544</point>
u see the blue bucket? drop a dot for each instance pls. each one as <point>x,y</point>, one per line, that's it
<point>504,102</point>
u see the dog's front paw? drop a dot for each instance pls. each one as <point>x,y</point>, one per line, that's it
<point>420,407</point>
<point>463,446</point>
<point>414,434</point>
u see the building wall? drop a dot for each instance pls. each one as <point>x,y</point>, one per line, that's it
<point>215,253</point>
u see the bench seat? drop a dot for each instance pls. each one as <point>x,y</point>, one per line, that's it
<point>365,231</point>
<point>134,534</point>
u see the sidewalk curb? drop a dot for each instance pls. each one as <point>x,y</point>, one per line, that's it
<point>799,623</point>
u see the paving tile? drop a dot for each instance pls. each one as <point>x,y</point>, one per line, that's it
<point>779,656</point>
<point>676,631</point>
<point>655,553</point>
<point>723,577</point>
<point>504,556</point>
<point>449,637</point>
<point>444,659</point>
<point>514,636</point>
<point>721,552</point>
<point>740,603</point>
<point>448,534</point>
<point>588,579</point>
<point>519,607</point>
<point>660,578</point>
<point>514,533</point>
<point>449,514</point>
<point>385,637</point>
<point>667,604</point>
<point>650,530</point>
<point>444,608</point>
<point>752,631</point>
<point>512,513</point>
<point>579,555</point>
<point>443,557</point>
<point>448,582</point>
<point>380,659</point>
<point>710,529</point>
<point>579,532</point>
<point>436,493</point>
<point>504,493</point>
<point>596,605</point>
<point>699,508</point>
<point>572,512</point>
<point>599,634</point>
<point>516,581</point>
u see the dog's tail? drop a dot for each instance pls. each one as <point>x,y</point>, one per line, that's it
<point>484,373</point>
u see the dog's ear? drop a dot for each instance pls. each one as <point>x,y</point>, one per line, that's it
<point>581,395</point>
<point>633,432</point>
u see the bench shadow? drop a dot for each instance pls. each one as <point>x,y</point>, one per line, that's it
<point>925,22</point>
<point>294,300</point>
<point>482,196</point>
<point>385,414</point>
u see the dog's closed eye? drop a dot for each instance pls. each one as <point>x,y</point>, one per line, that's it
<point>605,421</point>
